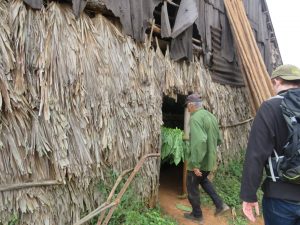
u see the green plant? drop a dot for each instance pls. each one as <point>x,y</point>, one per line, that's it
<point>173,147</point>
<point>227,181</point>
<point>13,220</point>
<point>148,217</point>
<point>131,209</point>
<point>239,220</point>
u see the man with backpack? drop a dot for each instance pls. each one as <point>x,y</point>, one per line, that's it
<point>274,144</point>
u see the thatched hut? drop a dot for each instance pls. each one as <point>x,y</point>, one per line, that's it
<point>82,92</point>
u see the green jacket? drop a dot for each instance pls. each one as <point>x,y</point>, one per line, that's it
<point>204,138</point>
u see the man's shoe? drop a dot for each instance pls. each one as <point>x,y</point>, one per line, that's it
<point>223,209</point>
<point>190,216</point>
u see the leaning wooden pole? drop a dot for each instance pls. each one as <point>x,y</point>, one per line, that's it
<point>112,192</point>
<point>111,205</point>
<point>128,181</point>
<point>186,138</point>
<point>255,73</point>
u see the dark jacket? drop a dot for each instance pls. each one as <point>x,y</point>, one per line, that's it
<point>269,131</point>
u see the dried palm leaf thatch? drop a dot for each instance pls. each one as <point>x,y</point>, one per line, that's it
<point>77,108</point>
<point>7,59</point>
<point>84,99</point>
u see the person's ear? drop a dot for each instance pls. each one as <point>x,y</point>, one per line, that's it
<point>278,80</point>
<point>275,81</point>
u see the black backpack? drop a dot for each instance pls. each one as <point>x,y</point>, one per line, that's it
<point>287,166</point>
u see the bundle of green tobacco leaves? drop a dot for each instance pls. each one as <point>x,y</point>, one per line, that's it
<point>173,147</point>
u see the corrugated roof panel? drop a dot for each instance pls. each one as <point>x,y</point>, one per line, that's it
<point>223,71</point>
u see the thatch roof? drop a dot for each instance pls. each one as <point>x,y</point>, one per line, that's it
<point>181,21</point>
<point>78,97</point>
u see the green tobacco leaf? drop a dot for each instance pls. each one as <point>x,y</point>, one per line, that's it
<point>184,207</point>
<point>173,147</point>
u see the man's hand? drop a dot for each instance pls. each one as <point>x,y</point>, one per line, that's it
<point>197,172</point>
<point>248,210</point>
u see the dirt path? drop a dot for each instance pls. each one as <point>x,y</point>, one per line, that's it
<point>168,198</point>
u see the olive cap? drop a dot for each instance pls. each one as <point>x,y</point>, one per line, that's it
<point>286,72</point>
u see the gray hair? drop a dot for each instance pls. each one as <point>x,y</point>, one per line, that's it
<point>197,104</point>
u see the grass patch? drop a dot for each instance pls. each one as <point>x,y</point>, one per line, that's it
<point>132,210</point>
<point>227,181</point>
<point>14,220</point>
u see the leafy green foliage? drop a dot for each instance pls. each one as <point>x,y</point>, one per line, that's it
<point>173,147</point>
<point>184,207</point>
<point>13,220</point>
<point>227,181</point>
<point>239,220</point>
<point>131,209</point>
<point>147,217</point>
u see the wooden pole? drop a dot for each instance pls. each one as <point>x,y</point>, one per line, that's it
<point>255,74</point>
<point>112,192</point>
<point>253,46</point>
<point>258,54</point>
<point>115,203</point>
<point>12,187</point>
<point>128,181</point>
<point>184,177</point>
<point>186,138</point>
<point>238,40</point>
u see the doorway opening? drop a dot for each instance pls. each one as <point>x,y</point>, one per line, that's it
<point>171,175</point>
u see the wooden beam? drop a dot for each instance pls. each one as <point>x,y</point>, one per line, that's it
<point>97,6</point>
<point>256,77</point>
<point>186,138</point>
<point>11,187</point>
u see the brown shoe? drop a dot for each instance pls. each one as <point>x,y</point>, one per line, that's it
<point>223,209</point>
<point>190,216</point>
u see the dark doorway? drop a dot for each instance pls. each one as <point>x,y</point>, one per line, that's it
<point>173,112</point>
<point>171,175</point>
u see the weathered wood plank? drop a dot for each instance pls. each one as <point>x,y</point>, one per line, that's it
<point>97,6</point>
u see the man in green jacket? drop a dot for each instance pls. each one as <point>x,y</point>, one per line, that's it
<point>204,139</point>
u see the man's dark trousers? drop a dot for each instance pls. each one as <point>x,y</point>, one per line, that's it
<point>193,182</point>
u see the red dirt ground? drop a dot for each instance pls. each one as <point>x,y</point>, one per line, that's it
<point>170,188</point>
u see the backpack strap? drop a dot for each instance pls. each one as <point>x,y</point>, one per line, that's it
<point>273,177</point>
<point>276,158</point>
<point>277,96</point>
<point>295,134</point>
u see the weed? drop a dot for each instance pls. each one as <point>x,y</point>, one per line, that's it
<point>238,221</point>
<point>13,220</point>
<point>227,181</point>
<point>131,209</point>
